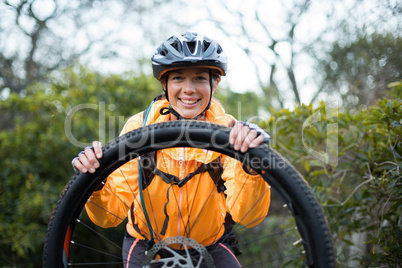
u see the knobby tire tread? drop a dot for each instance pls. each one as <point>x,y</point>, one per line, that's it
<point>281,175</point>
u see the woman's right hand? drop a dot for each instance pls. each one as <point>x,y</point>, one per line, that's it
<point>87,160</point>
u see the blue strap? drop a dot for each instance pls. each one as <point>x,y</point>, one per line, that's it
<point>151,232</point>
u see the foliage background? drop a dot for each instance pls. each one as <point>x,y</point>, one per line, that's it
<point>361,195</point>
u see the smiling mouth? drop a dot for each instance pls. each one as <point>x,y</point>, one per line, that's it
<point>189,101</point>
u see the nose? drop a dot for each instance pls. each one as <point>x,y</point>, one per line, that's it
<point>188,86</point>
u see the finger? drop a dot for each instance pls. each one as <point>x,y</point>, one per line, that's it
<point>234,132</point>
<point>242,133</point>
<point>250,137</point>
<point>86,163</point>
<point>232,122</point>
<point>97,145</point>
<point>93,161</point>
<point>257,141</point>
<point>80,166</point>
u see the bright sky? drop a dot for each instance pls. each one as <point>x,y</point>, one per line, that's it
<point>241,74</point>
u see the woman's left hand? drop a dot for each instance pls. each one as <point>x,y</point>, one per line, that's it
<point>246,135</point>
<point>243,136</point>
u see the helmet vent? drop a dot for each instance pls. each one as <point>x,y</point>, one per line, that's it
<point>191,46</point>
<point>206,45</point>
<point>164,52</point>
<point>219,50</point>
<point>176,46</point>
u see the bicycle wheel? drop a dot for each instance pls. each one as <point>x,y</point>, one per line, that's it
<point>295,231</point>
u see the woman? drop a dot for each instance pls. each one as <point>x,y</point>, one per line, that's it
<point>189,68</point>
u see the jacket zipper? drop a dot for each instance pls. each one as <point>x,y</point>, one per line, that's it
<point>181,159</point>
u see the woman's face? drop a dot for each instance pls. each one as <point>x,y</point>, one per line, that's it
<point>189,90</point>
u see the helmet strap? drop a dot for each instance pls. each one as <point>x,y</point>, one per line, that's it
<point>167,95</point>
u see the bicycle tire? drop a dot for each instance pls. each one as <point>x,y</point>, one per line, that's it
<point>283,178</point>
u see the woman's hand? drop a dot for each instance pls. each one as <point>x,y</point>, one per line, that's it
<point>87,160</point>
<point>245,135</point>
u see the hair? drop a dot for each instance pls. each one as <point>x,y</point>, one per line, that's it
<point>215,75</point>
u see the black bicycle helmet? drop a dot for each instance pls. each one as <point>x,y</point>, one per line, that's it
<point>189,49</point>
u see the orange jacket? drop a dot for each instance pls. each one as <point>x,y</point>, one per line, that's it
<point>196,210</point>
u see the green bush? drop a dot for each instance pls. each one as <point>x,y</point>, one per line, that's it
<point>355,173</point>
<point>36,148</point>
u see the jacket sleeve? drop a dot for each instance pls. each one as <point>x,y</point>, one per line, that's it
<point>108,207</point>
<point>247,196</point>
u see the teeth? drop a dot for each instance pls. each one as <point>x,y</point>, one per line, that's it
<point>189,101</point>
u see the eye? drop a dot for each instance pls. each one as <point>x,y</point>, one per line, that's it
<point>177,77</point>
<point>202,78</point>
